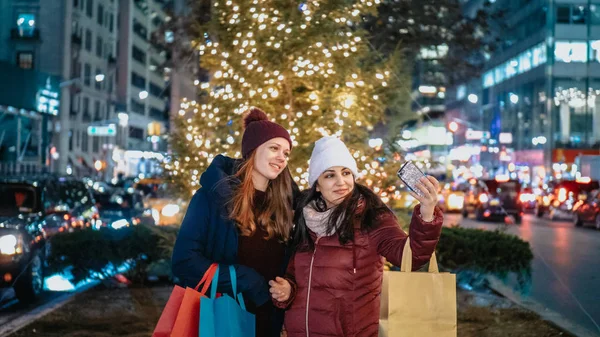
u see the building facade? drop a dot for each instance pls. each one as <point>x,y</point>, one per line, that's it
<point>539,97</point>
<point>76,42</point>
<point>115,82</point>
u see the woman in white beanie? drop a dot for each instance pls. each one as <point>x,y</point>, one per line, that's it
<point>333,282</point>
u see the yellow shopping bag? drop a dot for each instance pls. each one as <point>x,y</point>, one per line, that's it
<point>417,304</point>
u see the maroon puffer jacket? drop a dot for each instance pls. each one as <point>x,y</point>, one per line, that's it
<point>336,289</point>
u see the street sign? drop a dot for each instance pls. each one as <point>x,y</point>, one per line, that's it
<point>102,130</point>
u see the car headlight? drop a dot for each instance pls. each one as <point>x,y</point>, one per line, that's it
<point>119,224</point>
<point>10,245</point>
<point>155,215</point>
<point>170,210</point>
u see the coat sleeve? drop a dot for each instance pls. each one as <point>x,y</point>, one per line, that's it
<point>189,261</point>
<point>390,239</point>
<point>291,278</point>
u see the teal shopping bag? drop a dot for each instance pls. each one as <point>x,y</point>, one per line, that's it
<point>224,316</point>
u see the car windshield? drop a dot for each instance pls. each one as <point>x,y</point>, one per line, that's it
<point>502,188</point>
<point>16,199</point>
<point>113,201</point>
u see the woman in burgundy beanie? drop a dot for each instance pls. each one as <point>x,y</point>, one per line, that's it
<point>242,216</point>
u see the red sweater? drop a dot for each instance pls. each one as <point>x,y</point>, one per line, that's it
<point>329,298</point>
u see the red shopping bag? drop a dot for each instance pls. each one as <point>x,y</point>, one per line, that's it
<point>182,311</point>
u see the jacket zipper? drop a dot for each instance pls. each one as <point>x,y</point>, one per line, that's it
<point>312,260</point>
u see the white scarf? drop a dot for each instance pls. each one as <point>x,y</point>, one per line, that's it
<point>317,221</point>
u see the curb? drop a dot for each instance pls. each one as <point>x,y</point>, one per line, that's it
<point>33,315</point>
<point>560,321</point>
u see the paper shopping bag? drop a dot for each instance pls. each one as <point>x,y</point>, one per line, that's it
<point>180,315</point>
<point>418,304</point>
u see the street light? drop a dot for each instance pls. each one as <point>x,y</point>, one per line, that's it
<point>99,77</point>
<point>143,94</point>
<point>473,98</point>
<point>453,127</point>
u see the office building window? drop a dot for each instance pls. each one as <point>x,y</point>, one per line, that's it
<point>99,80</point>
<point>89,8</point>
<point>84,141</point>
<point>97,112</point>
<point>136,133</point>
<point>111,23</point>
<point>595,14</point>
<point>26,24</point>
<point>88,40</point>
<point>156,114</point>
<point>575,14</point>
<point>100,15</point>
<point>138,81</point>
<point>99,45</point>
<point>574,51</point>
<point>595,51</point>
<point>137,107</point>
<point>95,144</point>
<point>71,140</point>
<point>25,59</point>
<point>138,55</point>
<point>87,74</point>
<point>75,3</point>
<point>74,106</point>
<point>155,90</point>
<point>139,29</point>
<point>110,84</point>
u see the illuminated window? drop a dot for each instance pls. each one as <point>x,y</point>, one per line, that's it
<point>26,24</point>
<point>25,60</point>
<point>525,62</point>
<point>567,52</point>
<point>488,79</point>
<point>595,50</point>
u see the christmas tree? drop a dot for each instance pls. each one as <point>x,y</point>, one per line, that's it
<point>309,66</point>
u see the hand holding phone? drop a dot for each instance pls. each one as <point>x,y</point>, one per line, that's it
<point>423,188</point>
<point>410,174</point>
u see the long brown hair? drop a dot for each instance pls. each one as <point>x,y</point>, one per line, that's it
<point>276,217</point>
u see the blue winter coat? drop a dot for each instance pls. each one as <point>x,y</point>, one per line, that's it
<point>207,235</point>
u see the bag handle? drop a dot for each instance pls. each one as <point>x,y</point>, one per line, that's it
<point>238,296</point>
<point>215,282</point>
<point>208,275</point>
<point>233,276</point>
<point>407,260</point>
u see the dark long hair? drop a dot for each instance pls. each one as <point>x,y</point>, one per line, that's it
<point>362,205</point>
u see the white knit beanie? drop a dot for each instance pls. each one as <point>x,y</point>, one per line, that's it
<point>329,151</point>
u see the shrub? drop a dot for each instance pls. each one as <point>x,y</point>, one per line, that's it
<point>91,253</point>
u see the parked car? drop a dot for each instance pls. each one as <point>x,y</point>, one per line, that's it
<point>496,199</point>
<point>32,210</point>
<point>166,207</point>
<point>560,198</point>
<point>452,197</point>
<point>119,208</point>
<point>588,210</point>
<point>528,199</point>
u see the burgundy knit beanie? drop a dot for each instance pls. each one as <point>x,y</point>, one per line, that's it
<point>258,130</point>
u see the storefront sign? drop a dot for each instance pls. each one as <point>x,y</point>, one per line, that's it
<point>29,89</point>
<point>568,156</point>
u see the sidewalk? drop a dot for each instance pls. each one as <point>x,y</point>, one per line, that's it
<point>133,312</point>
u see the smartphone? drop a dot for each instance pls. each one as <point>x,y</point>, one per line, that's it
<point>410,174</point>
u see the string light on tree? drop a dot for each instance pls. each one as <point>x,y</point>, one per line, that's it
<point>307,65</point>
